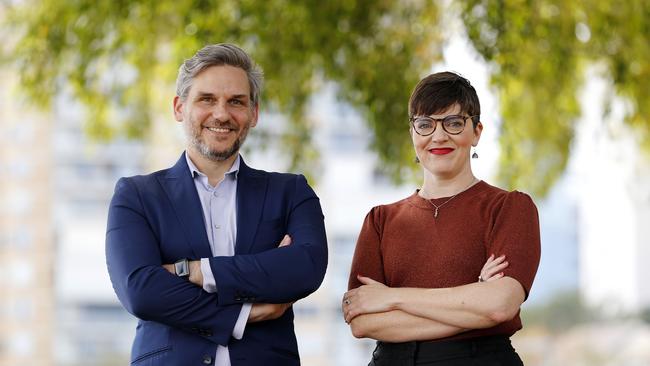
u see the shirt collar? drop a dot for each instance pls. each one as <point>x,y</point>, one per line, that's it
<point>232,172</point>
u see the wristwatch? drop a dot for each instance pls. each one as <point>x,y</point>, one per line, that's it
<point>182,267</point>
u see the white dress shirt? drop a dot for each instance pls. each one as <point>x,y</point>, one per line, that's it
<point>219,205</point>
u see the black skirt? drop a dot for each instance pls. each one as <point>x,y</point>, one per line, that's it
<point>480,351</point>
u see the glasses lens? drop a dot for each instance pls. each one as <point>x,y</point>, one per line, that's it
<point>424,126</point>
<point>454,124</point>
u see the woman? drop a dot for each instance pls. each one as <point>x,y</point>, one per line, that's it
<point>413,283</point>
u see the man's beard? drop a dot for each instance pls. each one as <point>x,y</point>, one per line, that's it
<point>216,155</point>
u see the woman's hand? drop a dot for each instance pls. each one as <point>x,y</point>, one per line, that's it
<point>371,297</point>
<point>492,269</point>
<point>375,297</point>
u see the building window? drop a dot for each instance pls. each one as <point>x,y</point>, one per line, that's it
<point>21,309</point>
<point>21,273</point>
<point>21,238</point>
<point>18,201</point>
<point>21,344</point>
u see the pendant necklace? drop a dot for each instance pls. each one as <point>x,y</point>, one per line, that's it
<point>437,207</point>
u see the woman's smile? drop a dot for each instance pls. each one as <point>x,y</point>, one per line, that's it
<point>441,150</point>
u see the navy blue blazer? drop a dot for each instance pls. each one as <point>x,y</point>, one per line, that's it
<point>157,218</point>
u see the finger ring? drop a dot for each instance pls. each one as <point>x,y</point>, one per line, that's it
<point>480,279</point>
<point>346,301</point>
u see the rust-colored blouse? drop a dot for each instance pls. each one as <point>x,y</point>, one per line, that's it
<point>403,245</point>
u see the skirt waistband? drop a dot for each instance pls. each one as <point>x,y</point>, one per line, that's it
<point>442,350</point>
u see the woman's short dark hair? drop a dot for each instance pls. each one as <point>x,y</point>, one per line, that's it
<point>437,92</point>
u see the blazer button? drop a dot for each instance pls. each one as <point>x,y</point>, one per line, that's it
<point>207,360</point>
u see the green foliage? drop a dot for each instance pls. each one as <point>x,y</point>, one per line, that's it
<point>538,51</point>
<point>645,315</point>
<point>112,54</point>
<point>562,312</point>
<point>115,55</point>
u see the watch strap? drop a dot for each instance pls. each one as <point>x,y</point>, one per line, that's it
<point>182,267</point>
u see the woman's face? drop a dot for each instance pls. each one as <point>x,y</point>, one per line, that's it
<point>443,154</point>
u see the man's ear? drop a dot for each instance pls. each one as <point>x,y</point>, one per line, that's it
<point>256,112</point>
<point>178,108</point>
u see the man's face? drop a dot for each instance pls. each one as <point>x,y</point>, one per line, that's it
<point>217,112</point>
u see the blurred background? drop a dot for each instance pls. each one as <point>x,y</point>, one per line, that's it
<point>86,90</point>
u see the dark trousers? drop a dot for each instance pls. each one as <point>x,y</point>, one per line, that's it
<point>481,351</point>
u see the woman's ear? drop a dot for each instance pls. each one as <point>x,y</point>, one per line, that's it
<point>477,133</point>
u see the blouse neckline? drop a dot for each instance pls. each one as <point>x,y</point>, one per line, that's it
<point>424,203</point>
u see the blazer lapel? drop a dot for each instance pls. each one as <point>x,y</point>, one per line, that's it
<point>251,192</point>
<point>179,187</point>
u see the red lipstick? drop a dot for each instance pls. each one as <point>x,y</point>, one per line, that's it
<point>441,151</point>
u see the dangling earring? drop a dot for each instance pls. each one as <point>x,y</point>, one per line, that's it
<point>417,160</point>
<point>474,155</point>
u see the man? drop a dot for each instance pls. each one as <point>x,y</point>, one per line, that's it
<point>210,254</point>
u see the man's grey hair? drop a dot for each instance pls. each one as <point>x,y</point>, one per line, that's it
<point>219,55</point>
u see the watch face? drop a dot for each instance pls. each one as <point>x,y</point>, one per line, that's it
<point>182,268</point>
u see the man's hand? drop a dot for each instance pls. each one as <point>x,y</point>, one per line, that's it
<point>196,276</point>
<point>286,241</point>
<point>262,312</point>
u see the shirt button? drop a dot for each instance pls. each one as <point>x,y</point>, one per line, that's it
<point>217,227</point>
<point>207,360</point>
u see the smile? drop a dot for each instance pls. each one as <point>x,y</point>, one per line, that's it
<point>219,130</point>
<point>441,151</point>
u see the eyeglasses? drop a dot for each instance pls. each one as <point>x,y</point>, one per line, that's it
<point>425,125</point>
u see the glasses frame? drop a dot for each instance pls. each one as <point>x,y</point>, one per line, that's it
<point>442,121</point>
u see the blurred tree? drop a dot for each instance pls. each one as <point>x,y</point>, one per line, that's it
<point>538,50</point>
<point>563,311</point>
<point>374,50</point>
<point>644,314</point>
<point>114,53</point>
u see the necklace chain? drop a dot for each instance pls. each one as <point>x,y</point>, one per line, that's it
<point>437,207</point>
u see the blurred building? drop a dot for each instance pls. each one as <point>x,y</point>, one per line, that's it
<point>92,328</point>
<point>52,227</point>
<point>348,186</point>
<point>26,231</point>
<point>57,184</point>
<point>86,172</point>
<point>614,206</point>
